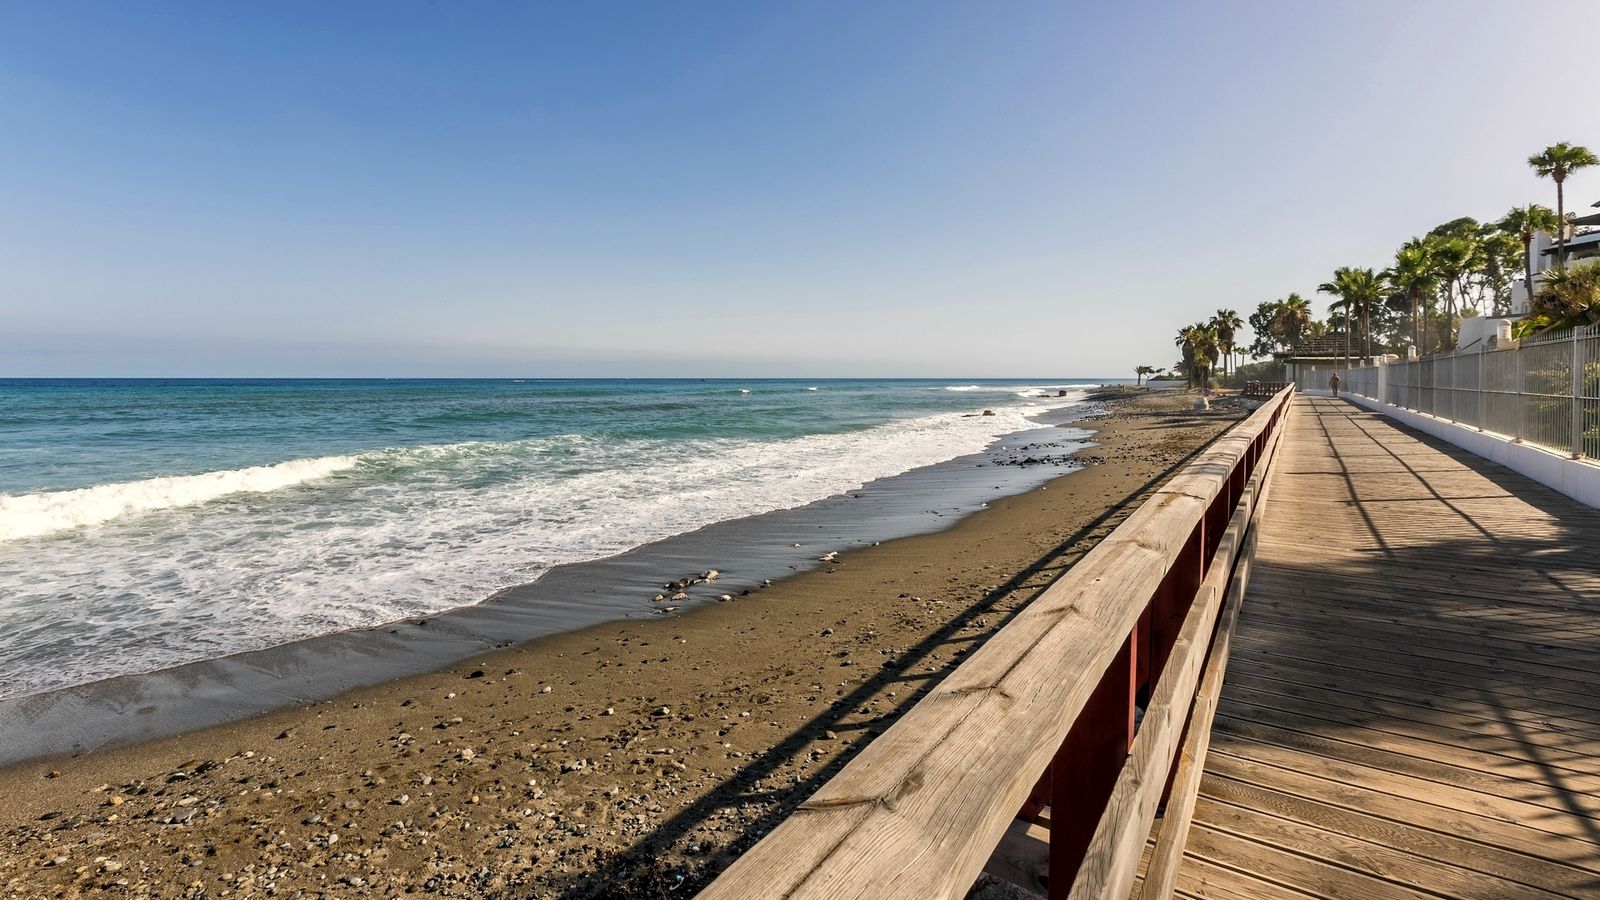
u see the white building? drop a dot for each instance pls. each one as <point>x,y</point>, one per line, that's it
<point>1581,247</point>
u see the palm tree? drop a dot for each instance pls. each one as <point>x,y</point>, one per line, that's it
<point>1366,290</point>
<point>1525,222</point>
<point>1369,290</point>
<point>1141,371</point>
<point>1358,290</point>
<point>1413,275</point>
<point>1453,260</point>
<point>1291,320</point>
<point>1226,323</point>
<point>1556,163</point>
<point>1199,345</point>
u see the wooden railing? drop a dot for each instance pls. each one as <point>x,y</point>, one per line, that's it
<point>1262,390</point>
<point>1041,718</point>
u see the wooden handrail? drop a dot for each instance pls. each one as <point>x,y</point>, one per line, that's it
<point>1161,875</point>
<point>921,809</point>
<point>1178,711</point>
<point>1262,389</point>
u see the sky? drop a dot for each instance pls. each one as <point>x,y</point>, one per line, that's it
<point>736,189</point>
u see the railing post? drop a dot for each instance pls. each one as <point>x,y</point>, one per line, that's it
<point>1172,599</point>
<point>1433,380</point>
<point>1522,405</point>
<point>1085,768</point>
<point>1577,396</point>
<point>1455,386</point>
<point>1481,391</point>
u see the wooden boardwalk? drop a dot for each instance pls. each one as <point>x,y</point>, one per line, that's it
<point>1412,703</point>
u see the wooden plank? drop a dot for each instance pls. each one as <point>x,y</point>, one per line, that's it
<point>1202,879</point>
<point>1537,816</point>
<point>1350,660</point>
<point>1572,793</point>
<point>1374,859</point>
<point>1279,866</point>
<point>1501,654</point>
<point>1514,632</point>
<point>1435,744</point>
<point>920,810</point>
<point>1407,702</point>
<point>1376,591</point>
<point>1415,688</point>
<point>1328,713</point>
<point>1492,830</point>
<point>1450,849</point>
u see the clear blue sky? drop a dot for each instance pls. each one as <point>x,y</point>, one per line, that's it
<point>755,189</point>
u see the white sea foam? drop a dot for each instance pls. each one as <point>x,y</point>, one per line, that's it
<point>963,387</point>
<point>31,515</point>
<point>227,562</point>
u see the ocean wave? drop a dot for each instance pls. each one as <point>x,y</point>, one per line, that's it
<point>401,532</point>
<point>33,515</point>
<point>963,387</point>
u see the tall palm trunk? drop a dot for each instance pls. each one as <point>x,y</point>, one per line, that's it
<point>1416,321</point>
<point>1527,262</point>
<point>1449,336</point>
<point>1561,227</point>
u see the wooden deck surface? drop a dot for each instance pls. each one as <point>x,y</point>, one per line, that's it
<point>1412,704</point>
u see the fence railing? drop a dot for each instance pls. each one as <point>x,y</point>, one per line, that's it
<point>1038,727</point>
<point>1543,390</point>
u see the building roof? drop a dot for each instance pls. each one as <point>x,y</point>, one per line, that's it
<point>1582,240</point>
<point>1328,346</point>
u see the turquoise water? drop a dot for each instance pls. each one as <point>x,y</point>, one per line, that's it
<point>145,523</point>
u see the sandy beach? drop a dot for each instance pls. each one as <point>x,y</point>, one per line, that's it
<point>628,759</point>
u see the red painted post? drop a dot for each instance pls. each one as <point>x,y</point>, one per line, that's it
<point>1142,683</point>
<point>1217,516</point>
<point>1038,799</point>
<point>1241,477</point>
<point>1173,597</point>
<point>1086,767</point>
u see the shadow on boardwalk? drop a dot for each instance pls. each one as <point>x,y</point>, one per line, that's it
<point>1413,698</point>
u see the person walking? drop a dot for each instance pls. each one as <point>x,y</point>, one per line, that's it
<point>1333,384</point>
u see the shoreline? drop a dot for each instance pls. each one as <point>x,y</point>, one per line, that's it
<point>750,553</point>
<point>628,756</point>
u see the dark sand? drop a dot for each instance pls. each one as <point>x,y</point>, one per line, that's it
<point>629,759</point>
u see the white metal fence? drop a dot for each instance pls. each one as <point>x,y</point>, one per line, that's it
<point>1545,391</point>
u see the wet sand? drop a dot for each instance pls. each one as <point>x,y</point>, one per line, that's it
<point>627,759</point>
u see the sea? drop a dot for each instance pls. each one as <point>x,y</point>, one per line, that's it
<point>149,523</point>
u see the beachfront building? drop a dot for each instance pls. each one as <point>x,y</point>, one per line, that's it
<point>1580,247</point>
<point>1310,363</point>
